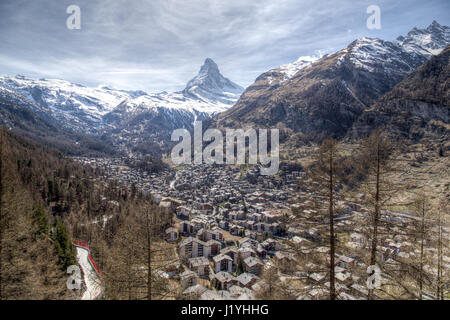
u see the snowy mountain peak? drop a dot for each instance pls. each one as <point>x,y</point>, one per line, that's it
<point>428,42</point>
<point>211,85</point>
<point>209,67</point>
<point>435,25</point>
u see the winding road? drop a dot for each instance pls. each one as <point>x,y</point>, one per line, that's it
<point>92,281</point>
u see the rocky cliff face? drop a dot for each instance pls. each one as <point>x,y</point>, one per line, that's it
<point>417,107</point>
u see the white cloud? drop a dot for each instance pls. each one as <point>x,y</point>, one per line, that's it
<point>156,45</point>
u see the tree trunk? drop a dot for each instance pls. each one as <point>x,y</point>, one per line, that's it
<point>1,211</point>
<point>438,285</point>
<point>128,276</point>
<point>149,258</point>
<point>331,217</point>
<point>376,216</point>
<point>422,236</point>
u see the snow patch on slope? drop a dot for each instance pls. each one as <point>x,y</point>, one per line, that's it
<point>291,69</point>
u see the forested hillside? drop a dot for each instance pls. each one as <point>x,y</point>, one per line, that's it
<point>21,117</point>
<point>47,201</point>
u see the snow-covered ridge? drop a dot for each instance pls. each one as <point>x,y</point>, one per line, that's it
<point>66,96</point>
<point>371,53</point>
<point>429,41</point>
<point>401,55</point>
<point>286,72</point>
<point>291,69</point>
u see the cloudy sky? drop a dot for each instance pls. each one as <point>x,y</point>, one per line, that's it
<point>157,45</point>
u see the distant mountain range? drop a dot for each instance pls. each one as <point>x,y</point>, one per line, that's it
<point>342,94</point>
<point>125,115</point>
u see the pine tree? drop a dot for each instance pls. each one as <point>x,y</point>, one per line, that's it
<point>40,218</point>
<point>63,245</point>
